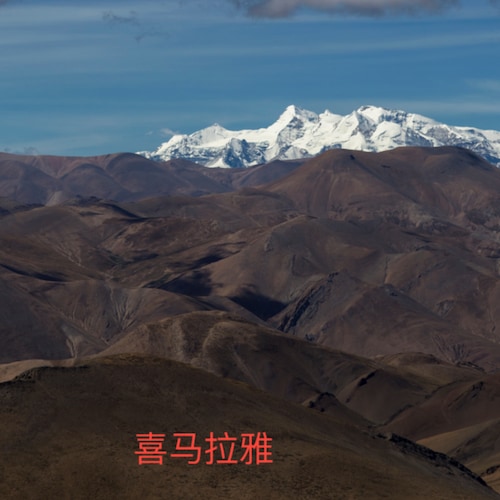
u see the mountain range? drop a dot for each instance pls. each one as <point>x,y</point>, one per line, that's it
<point>299,133</point>
<point>346,304</point>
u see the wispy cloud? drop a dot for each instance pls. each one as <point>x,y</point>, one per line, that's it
<point>361,46</point>
<point>452,107</point>
<point>485,84</point>
<point>27,150</point>
<point>167,132</point>
<point>110,17</point>
<point>373,8</point>
<point>143,28</point>
<point>283,8</point>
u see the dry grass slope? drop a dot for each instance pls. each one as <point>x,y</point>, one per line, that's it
<point>70,433</point>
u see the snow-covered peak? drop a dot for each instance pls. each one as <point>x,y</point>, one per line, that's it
<point>299,133</point>
<point>294,112</point>
<point>210,135</point>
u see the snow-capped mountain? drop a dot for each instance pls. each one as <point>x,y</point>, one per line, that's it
<point>299,133</point>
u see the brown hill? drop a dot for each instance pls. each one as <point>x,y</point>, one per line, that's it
<point>417,275</point>
<point>412,394</point>
<point>287,367</point>
<point>73,432</point>
<point>121,177</point>
<point>411,186</point>
<point>125,176</point>
<point>390,256</point>
<point>476,446</point>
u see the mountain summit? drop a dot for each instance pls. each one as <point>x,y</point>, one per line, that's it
<point>299,133</point>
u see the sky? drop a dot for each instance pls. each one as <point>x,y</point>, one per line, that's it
<point>91,77</point>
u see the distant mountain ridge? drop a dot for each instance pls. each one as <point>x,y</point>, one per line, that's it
<point>299,133</point>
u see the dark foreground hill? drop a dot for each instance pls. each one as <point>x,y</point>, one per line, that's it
<point>71,433</point>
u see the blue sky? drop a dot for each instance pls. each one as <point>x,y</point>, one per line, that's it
<point>95,77</point>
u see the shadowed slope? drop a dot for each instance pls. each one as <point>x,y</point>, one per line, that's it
<point>81,440</point>
<point>476,446</point>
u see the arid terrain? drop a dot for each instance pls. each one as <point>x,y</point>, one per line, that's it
<point>347,305</point>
